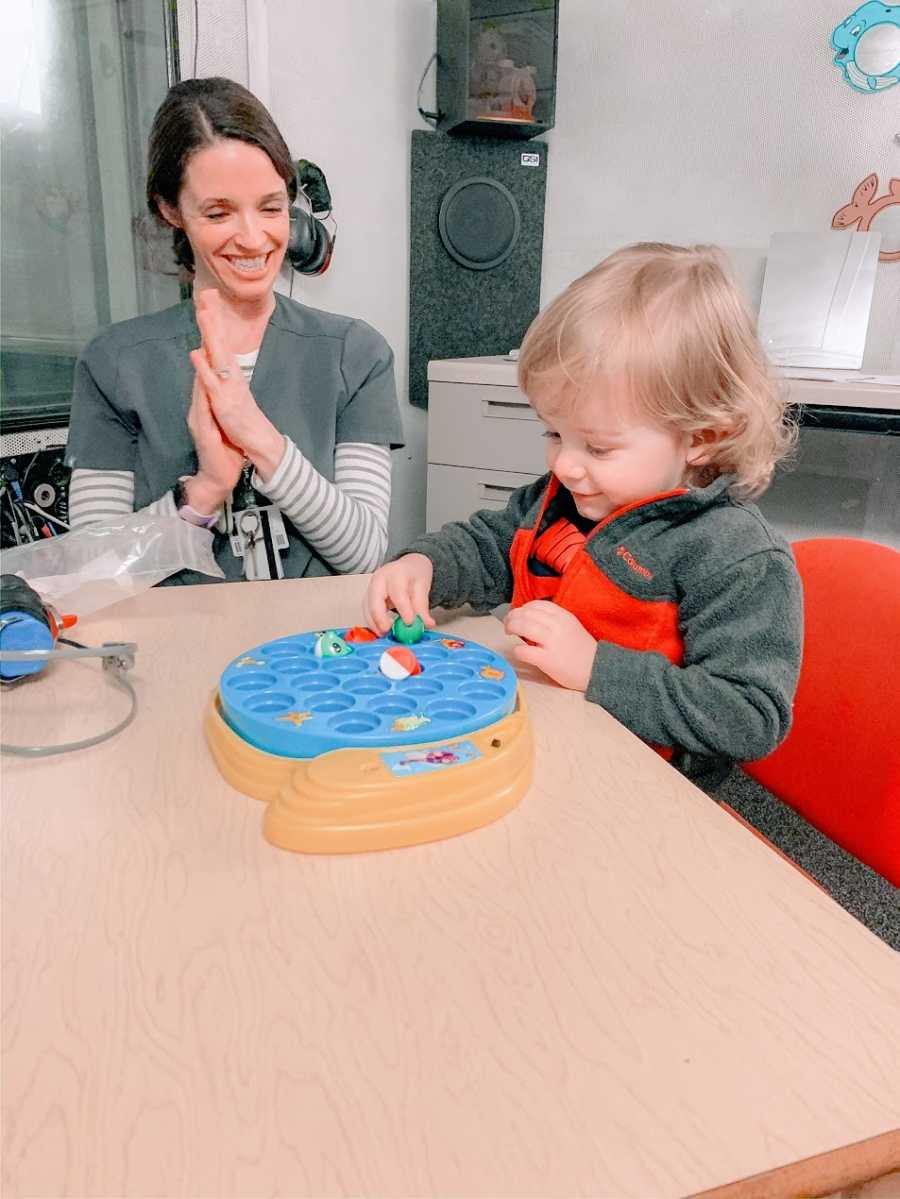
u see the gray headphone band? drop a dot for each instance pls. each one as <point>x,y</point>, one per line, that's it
<point>117,657</point>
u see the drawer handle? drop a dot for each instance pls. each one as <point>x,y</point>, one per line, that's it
<point>508,409</point>
<point>496,491</point>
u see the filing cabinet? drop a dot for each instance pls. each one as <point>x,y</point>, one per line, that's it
<point>484,439</point>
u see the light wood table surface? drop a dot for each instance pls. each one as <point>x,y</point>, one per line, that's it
<point>615,991</point>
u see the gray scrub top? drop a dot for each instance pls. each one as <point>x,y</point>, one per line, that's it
<point>321,379</point>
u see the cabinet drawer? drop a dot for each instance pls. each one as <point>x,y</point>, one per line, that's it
<point>476,424</point>
<point>455,492</point>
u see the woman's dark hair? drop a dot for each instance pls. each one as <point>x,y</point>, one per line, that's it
<point>195,114</point>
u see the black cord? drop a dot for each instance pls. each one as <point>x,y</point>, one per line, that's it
<point>431,117</point>
<point>196,33</point>
<point>28,470</point>
<point>14,530</point>
<point>22,483</point>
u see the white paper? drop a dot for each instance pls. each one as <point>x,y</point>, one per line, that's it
<point>817,295</point>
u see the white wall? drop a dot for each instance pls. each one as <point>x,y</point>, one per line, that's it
<point>342,82</point>
<point>712,121</point>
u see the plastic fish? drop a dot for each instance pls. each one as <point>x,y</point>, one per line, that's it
<point>330,645</point>
<point>408,634</point>
<point>360,633</point>
<point>452,643</point>
<point>489,672</point>
<point>399,663</point>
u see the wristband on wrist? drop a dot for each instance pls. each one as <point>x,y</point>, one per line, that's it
<point>186,512</point>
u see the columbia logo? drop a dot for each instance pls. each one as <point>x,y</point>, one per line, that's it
<point>630,560</point>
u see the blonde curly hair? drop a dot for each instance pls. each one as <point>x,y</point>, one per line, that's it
<point>670,322</point>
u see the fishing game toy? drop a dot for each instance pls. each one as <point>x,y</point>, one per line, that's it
<point>358,742</point>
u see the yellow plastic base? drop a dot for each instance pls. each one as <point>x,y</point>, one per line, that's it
<point>349,801</point>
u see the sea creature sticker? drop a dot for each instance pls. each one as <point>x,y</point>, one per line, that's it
<point>404,763</point>
<point>249,661</point>
<point>491,672</point>
<point>452,643</point>
<point>867,46</point>
<point>409,724</point>
<point>296,718</point>
<point>865,205</point>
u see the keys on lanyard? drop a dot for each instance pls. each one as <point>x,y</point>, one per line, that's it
<point>256,532</point>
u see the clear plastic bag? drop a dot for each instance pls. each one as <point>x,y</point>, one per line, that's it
<point>90,568</point>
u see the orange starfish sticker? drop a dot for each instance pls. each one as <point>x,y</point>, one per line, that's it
<point>296,718</point>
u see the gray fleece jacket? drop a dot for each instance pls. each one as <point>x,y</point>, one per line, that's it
<point>739,614</point>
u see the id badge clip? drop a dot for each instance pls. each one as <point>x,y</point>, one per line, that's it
<point>258,535</point>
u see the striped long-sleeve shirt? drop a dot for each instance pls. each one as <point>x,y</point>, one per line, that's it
<point>345,521</point>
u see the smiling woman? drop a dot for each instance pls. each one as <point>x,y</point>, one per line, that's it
<point>236,235</point>
<point>241,410</point>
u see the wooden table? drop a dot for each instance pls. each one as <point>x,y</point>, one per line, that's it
<point>615,991</point>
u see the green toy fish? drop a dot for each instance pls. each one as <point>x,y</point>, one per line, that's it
<point>330,645</point>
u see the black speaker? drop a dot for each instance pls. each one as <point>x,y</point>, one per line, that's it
<point>476,238</point>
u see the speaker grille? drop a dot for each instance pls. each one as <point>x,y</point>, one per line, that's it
<point>475,203</point>
<point>479,223</point>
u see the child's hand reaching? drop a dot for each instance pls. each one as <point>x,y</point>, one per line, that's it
<point>562,647</point>
<point>403,585</point>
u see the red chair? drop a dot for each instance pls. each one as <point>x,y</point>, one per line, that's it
<point>840,764</point>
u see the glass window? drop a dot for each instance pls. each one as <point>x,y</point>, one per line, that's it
<point>79,85</point>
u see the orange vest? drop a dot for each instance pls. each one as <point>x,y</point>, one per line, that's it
<point>582,588</point>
